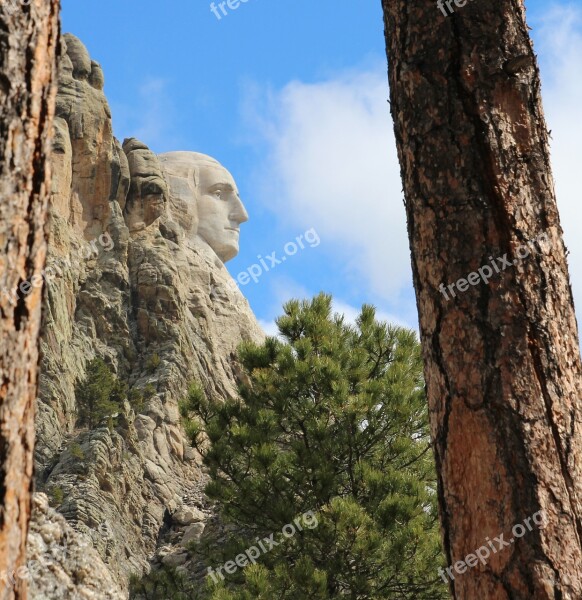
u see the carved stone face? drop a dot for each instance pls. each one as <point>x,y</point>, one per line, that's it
<point>152,193</point>
<point>214,192</point>
<point>148,191</point>
<point>220,211</point>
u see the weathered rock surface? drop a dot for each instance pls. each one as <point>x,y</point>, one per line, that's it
<point>62,563</point>
<point>128,280</point>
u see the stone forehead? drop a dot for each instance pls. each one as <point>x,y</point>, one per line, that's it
<point>183,164</point>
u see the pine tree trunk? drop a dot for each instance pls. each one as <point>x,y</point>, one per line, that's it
<point>502,358</point>
<point>28,46</point>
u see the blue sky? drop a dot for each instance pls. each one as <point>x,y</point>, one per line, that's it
<point>290,95</point>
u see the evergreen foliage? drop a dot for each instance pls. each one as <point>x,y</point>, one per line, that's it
<point>138,397</point>
<point>76,451</point>
<point>153,363</point>
<point>56,496</point>
<point>333,421</point>
<point>100,395</point>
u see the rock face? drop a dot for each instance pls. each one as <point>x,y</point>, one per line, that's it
<point>61,562</point>
<point>131,279</point>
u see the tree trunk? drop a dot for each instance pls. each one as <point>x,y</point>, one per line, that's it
<point>28,47</point>
<point>502,357</point>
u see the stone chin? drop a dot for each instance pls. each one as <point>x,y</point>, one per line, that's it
<point>229,246</point>
<point>201,181</point>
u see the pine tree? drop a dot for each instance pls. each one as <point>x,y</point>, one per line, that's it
<point>99,395</point>
<point>332,424</point>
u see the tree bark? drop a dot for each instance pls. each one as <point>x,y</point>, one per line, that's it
<point>502,359</point>
<point>28,47</point>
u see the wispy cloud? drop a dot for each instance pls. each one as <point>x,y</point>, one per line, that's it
<point>351,313</point>
<point>333,166</point>
<point>284,289</point>
<point>332,160</point>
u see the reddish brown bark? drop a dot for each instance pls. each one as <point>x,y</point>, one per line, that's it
<point>28,44</point>
<point>502,359</point>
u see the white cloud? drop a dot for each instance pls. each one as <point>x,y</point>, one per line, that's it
<point>559,45</point>
<point>333,167</point>
<point>332,159</point>
<point>351,313</point>
<point>269,327</point>
<point>285,289</point>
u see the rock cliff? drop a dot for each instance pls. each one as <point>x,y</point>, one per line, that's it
<point>133,278</point>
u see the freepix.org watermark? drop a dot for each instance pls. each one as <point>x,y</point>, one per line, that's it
<point>497,265</point>
<point>223,12</point>
<point>270,261</point>
<point>482,554</point>
<point>290,249</point>
<point>90,250</point>
<point>449,3</point>
<point>308,520</point>
<point>56,553</point>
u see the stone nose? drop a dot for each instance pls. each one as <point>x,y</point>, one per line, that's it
<point>238,212</point>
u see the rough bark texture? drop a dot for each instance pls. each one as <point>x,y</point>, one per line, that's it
<point>502,359</point>
<point>28,47</point>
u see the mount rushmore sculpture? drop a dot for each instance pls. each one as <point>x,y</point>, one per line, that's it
<point>159,307</point>
<point>191,189</point>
